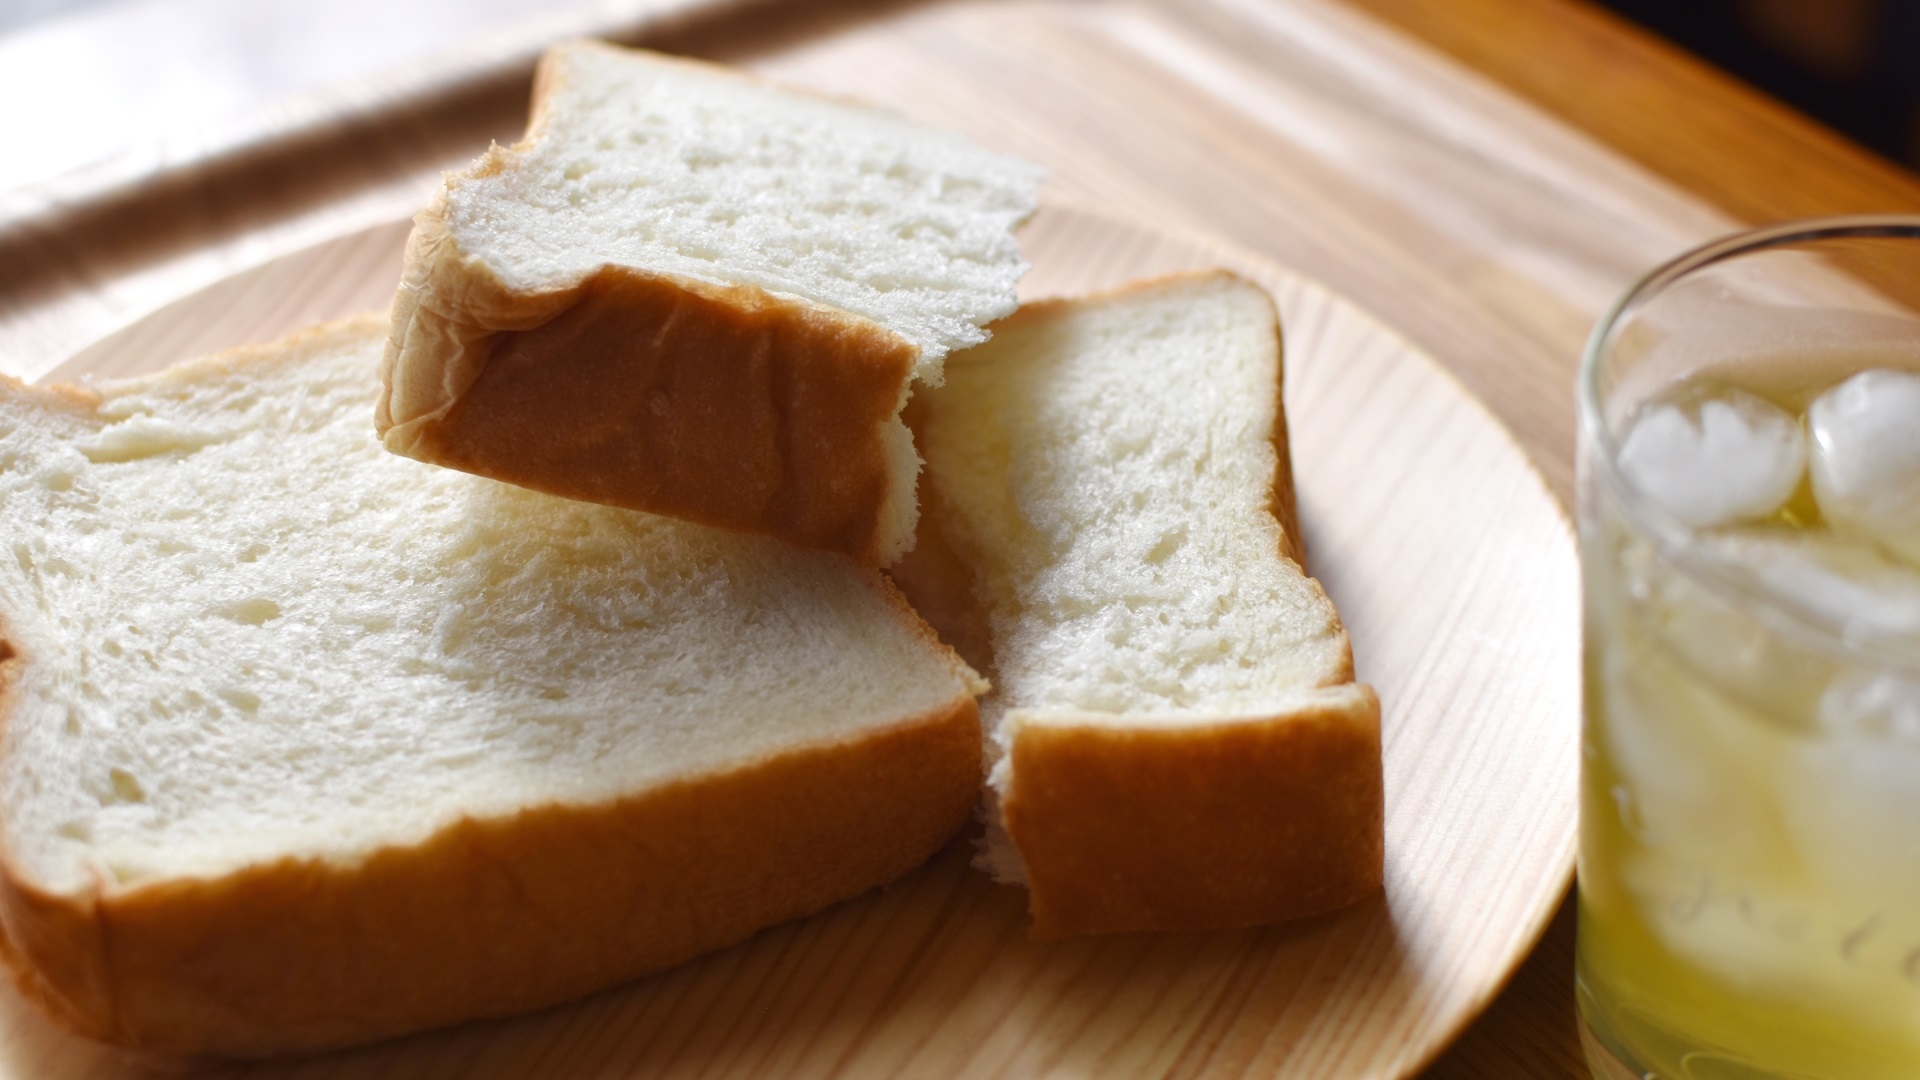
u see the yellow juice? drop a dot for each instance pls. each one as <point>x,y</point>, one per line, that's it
<point>1749,522</point>
<point>1750,833</point>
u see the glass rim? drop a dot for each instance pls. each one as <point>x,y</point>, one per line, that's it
<point>1673,539</point>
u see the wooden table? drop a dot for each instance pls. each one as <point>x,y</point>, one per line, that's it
<point>1484,174</point>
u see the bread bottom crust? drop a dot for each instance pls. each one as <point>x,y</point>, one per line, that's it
<point>722,405</point>
<point>496,916</point>
<point>1197,825</point>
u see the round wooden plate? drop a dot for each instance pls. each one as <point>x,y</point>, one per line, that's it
<point>1456,574</point>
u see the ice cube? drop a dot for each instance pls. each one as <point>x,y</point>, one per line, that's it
<point>1735,458</point>
<point>1852,793</point>
<point>1680,754</point>
<point>1718,640</point>
<point>1846,580</point>
<point>1873,703</point>
<point>1866,458</point>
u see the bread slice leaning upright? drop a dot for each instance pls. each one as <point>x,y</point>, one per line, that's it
<point>307,744</point>
<point>1110,531</point>
<point>690,292</point>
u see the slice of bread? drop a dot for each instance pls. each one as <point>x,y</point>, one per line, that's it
<point>307,744</point>
<point>1178,739</point>
<point>692,293</point>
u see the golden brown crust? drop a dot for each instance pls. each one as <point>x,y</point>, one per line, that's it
<point>723,406</point>
<point>1200,825</point>
<point>719,404</point>
<point>1283,504</point>
<point>490,917</point>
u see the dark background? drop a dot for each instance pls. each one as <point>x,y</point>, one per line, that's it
<point>1852,64</point>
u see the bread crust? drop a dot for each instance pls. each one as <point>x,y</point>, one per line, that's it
<point>1199,824</point>
<point>489,917</point>
<point>721,404</point>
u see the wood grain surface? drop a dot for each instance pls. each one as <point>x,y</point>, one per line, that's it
<point>1689,122</point>
<point>1487,227</point>
<point>1454,572</point>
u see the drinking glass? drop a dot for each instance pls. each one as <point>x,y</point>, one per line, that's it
<point>1749,861</point>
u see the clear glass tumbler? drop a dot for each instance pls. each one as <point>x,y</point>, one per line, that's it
<point>1749,518</point>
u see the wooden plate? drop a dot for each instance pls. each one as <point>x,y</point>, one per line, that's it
<point>1456,574</point>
